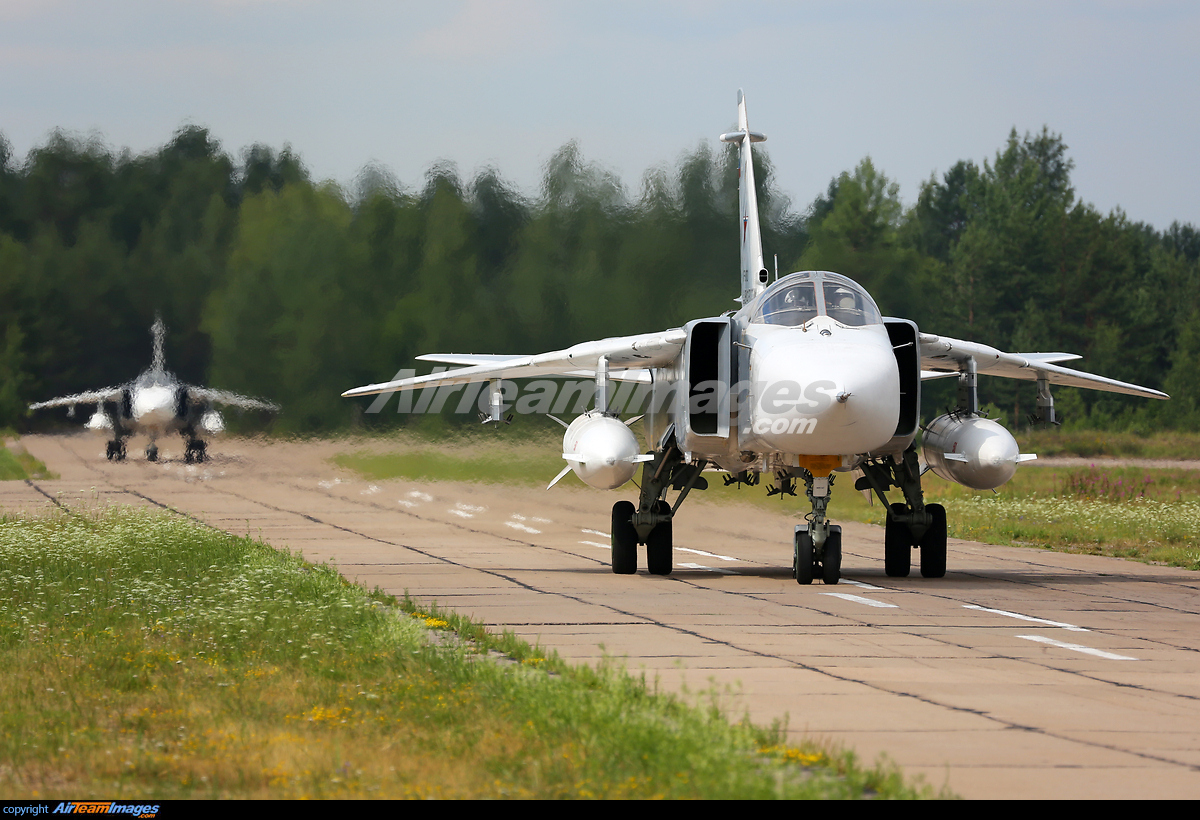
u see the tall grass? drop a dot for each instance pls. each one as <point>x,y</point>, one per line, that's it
<point>147,657</point>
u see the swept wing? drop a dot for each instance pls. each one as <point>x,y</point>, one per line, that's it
<point>90,397</point>
<point>625,354</point>
<point>941,356</point>
<point>207,395</point>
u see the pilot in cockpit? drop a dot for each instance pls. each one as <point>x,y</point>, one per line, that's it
<point>842,306</point>
<point>799,298</point>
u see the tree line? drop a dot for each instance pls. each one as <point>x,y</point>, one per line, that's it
<point>277,285</point>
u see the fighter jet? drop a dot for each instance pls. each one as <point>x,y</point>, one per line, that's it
<point>154,404</point>
<point>804,383</point>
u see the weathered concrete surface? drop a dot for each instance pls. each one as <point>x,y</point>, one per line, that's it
<point>960,695</point>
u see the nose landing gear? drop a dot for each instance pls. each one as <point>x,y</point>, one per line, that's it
<point>807,564</point>
<point>817,549</point>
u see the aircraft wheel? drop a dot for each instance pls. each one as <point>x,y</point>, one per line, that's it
<point>658,544</point>
<point>201,452</point>
<point>120,451</point>
<point>624,539</point>
<point>897,546</point>
<point>194,452</point>
<point>933,544</point>
<point>802,558</point>
<point>152,453</point>
<point>831,560</point>
<point>110,450</point>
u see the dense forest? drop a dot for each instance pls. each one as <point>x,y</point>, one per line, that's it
<point>276,285</point>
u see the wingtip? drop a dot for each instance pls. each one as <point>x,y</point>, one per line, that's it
<point>365,390</point>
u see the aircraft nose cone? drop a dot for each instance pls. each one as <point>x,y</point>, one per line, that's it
<point>153,406</point>
<point>820,397</point>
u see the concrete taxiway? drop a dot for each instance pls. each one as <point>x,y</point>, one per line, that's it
<point>1022,673</point>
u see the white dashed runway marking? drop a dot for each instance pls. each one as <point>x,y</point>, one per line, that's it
<point>1074,647</point>
<point>1021,617</point>
<point>720,570</point>
<point>858,599</point>
<point>705,554</point>
<point>864,585</point>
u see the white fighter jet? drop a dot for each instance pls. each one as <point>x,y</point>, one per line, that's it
<point>805,382</point>
<point>155,404</point>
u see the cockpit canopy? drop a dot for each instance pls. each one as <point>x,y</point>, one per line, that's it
<point>799,297</point>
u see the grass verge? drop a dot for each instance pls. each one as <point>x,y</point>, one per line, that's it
<point>1168,444</point>
<point>1150,515</point>
<point>145,656</point>
<point>16,464</point>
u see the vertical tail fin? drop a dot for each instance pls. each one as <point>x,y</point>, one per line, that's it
<point>158,330</point>
<point>754,271</point>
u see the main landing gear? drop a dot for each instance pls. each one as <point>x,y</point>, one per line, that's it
<point>152,452</point>
<point>195,452</point>
<point>912,524</point>
<point>115,450</point>
<point>817,544</point>
<point>649,522</point>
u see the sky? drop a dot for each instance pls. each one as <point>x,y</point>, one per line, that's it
<point>917,86</point>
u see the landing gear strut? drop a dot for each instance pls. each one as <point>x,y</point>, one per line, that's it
<point>817,544</point>
<point>911,524</point>
<point>649,522</point>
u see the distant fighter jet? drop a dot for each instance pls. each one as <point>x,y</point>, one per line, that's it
<point>154,404</point>
<point>805,381</point>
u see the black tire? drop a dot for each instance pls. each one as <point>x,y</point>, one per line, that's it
<point>933,543</point>
<point>831,559</point>
<point>802,560</point>
<point>897,546</point>
<point>121,451</point>
<point>110,451</point>
<point>624,539</point>
<point>658,544</point>
<point>151,453</point>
